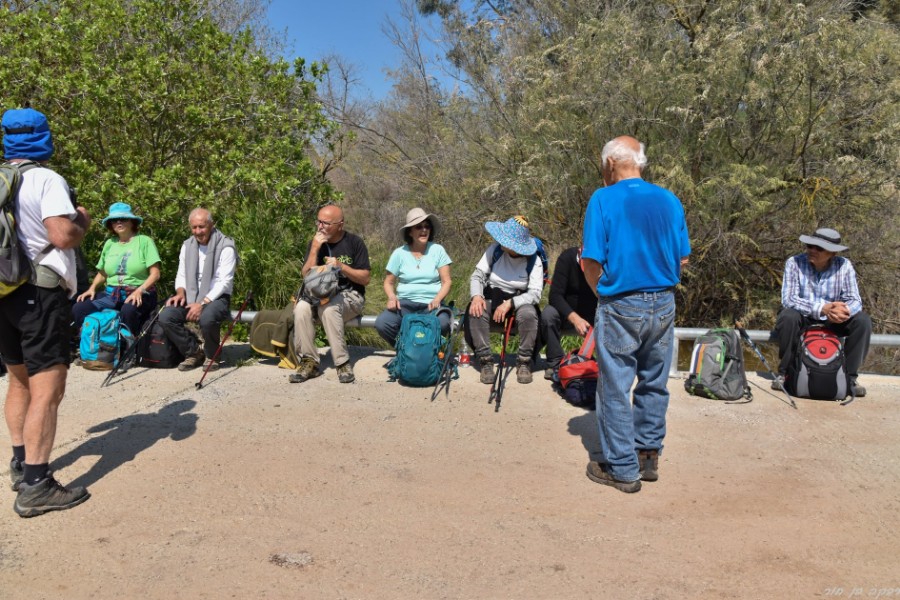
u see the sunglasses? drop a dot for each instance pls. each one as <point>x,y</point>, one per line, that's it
<point>425,225</point>
<point>816,248</point>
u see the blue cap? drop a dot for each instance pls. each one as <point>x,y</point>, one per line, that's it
<point>26,134</point>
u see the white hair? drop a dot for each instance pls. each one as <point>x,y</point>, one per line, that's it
<point>198,210</point>
<point>622,151</point>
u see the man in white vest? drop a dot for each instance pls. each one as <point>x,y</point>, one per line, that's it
<point>203,289</point>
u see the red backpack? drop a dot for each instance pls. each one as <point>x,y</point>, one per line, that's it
<point>580,365</point>
<point>818,370</point>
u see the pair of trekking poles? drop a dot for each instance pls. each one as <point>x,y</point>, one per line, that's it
<point>448,372</point>
<point>126,361</point>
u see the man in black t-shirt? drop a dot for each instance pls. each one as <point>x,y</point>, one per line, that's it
<point>571,300</point>
<point>331,246</point>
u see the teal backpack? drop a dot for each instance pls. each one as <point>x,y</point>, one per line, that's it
<point>418,362</point>
<point>104,339</point>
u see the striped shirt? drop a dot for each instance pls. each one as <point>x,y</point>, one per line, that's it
<point>806,290</point>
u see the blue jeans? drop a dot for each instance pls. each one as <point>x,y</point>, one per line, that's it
<point>388,323</point>
<point>635,333</point>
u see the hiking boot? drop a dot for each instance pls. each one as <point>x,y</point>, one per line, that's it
<point>858,390</point>
<point>649,464</point>
<point>487,372</point>
<point>548,373</point>
<point>307,369</point>
<point>523,372</point>
<point>213,366</point>
<point>345,373</point>
<point>16,473</point>
<point>193,361</point>
<point>46,495</point>
<point>597,473</point>
<point>778,383</point>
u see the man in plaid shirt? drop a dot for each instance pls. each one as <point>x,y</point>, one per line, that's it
<point>820,287</point>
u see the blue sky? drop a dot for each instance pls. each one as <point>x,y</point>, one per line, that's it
<point>349,28</point>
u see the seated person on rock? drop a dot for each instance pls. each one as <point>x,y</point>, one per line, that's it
<point>502,289</point>
<point>203,288</point>
<point>820,287</point>
<point>571,300</point>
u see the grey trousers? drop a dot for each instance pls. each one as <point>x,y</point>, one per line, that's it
<point>479,331</point>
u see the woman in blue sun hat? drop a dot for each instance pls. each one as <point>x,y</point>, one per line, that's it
<point>127,272</point>
<point>503,284</point>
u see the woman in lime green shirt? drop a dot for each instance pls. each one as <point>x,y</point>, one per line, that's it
<point>129,267</point>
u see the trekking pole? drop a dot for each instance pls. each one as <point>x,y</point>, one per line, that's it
<point>499,377</point>
<point>132,350</point>
<point>746,337</point>
<point>444,379</point>
<point>247,298</point>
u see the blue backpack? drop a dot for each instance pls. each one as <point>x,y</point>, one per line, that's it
<point>418,362</point>
<point>532,260</point>
<point>104,338</point>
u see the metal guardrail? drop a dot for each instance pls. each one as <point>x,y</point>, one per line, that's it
<point>887,340</point>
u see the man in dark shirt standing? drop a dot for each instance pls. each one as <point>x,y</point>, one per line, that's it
<point>571,300</point>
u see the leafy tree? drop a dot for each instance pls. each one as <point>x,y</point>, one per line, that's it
<point>152,103</point>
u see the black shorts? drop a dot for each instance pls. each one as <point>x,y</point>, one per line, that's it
<point>35,328</point>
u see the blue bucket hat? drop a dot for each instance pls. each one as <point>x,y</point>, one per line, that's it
<point>513,235</point>
<point>26,134</point>
<point>120,210</point>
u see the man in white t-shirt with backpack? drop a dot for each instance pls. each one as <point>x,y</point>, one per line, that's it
<point>35,317</point>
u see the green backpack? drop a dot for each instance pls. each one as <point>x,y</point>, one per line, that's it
<point>717,367</point>
<point>15,268</point>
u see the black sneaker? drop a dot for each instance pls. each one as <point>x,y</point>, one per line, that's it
<point>598,473</point>
<point>16,473</point>
<point>649,464</point>
<point>47,495</point>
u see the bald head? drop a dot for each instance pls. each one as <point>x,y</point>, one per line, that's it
<point>330,222</point>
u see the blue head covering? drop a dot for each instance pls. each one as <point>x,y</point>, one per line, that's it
<point>513,235</point>
<point>26,134</point>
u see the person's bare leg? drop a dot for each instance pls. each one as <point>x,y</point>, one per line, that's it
<point>46,390</point>
<point>17,400</point>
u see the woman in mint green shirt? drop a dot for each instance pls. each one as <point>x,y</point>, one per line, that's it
<point>418,276</point>
<point>129,268</point>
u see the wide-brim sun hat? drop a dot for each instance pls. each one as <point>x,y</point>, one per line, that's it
<point>825,238</point>
<point>120,210</point>
<point>513,235</point>
<point>416,216</point>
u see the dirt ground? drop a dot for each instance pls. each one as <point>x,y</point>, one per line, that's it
<point>255,488</point>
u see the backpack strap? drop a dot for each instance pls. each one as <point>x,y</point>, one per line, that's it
<point>498,252</point>
<point>588,345</point>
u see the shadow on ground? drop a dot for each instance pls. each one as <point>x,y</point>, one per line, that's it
<point>126,437</point>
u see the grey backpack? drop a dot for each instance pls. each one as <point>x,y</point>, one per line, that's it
<point>717,367</point>
<point>321,283</point>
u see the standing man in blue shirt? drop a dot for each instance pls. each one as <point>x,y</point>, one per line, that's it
<point>820,287</point>
<point>635,243</point>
